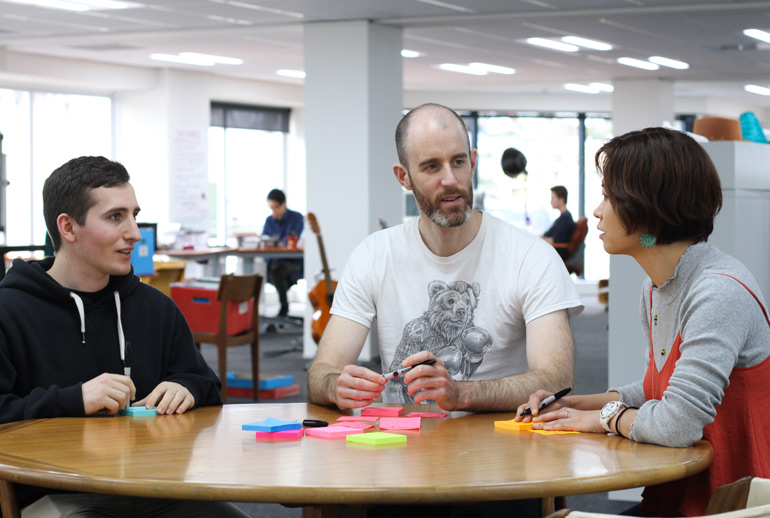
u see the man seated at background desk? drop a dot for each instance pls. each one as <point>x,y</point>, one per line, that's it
<point>564,226</point>
<point>282,224</point>
<point>490,302</point>
<point>64,322</point>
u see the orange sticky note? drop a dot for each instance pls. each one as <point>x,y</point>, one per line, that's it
<point>513,425</point>
<point>554,432</point>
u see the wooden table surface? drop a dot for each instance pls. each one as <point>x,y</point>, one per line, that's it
<point>204,454</point>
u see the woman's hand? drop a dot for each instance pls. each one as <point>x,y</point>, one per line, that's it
<point>534,405</point>
<point>566,418</point>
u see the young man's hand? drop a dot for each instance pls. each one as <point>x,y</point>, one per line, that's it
<point>107,393</point>
<point>170,398</point>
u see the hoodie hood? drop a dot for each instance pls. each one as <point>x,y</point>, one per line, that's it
<point>32,277</point>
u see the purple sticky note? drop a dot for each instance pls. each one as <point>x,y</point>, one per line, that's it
<point>400,423</point>
<point>386,411</point>
<point>331,432</point>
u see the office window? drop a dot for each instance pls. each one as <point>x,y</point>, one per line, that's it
<point>41,131</point>
<point>552,148</point>
<point>246,160</point>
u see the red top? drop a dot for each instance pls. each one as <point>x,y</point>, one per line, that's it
<point>739,435</point>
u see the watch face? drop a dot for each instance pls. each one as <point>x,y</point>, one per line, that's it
<point>610,408</point>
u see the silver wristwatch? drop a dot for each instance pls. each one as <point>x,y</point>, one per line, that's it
<point>609,411</point>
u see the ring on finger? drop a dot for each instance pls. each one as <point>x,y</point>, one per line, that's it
<point>566,413</point>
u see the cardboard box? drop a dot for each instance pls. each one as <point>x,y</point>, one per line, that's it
<point>200,307</point>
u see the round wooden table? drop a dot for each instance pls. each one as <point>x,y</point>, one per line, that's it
<point>204,454</point>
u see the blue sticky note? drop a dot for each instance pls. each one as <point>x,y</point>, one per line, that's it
<point>138,411</point>
<point>271,424</point>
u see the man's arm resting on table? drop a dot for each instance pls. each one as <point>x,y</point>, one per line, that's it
<point>333,378</point>
<point>551,357</point>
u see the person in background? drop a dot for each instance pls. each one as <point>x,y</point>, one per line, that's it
<point>703,316</point>
<point>563,227</point>
<point>283,224</point>
<point>66,323</point>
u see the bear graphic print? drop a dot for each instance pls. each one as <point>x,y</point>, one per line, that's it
<point>445,329</point>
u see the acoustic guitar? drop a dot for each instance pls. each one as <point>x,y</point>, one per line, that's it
<point>322,294</point>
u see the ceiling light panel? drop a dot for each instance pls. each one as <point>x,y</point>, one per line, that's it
<point>758,35</point>
<point>553,44</point>
<point>638,63</point>
<point>759,90</point>
<point>497,69</point>
<point>585,89</point>
<point>670,63</point>
<point>462,69</point>
<point>589,44</point>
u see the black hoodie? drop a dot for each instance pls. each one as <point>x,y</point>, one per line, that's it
<point>50,343</point>
<point>52,340</point>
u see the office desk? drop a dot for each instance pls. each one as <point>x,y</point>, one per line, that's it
<point>204,454</point>
<point>247,256</point>
<point>213,257</point>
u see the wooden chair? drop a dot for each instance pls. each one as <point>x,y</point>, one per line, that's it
<point>762,511</point>
<point>744,493</point>
<point>236,289</point>
<point>747,497</point>
<point>573,258</point>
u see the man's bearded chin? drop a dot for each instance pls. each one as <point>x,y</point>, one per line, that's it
<point>454,217</point>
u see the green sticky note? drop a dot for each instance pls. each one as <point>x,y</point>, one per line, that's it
<point>138,411</point>
<point>377,438</point>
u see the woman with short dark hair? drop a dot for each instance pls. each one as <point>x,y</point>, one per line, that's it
<point>708,373</point>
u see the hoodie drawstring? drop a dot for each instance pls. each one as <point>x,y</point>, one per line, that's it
<point>121,337</point>
<point>82,313</point>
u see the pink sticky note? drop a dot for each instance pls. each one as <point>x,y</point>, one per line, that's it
<point>283,434</point>
<point>436,415</point>
<point>361,426</point>
<point>388,411</point>
<point>400,423</point>
<point>358,418</point>
<point>331,432</point>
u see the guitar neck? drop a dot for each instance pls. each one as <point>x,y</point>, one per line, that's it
<point>325,264</point>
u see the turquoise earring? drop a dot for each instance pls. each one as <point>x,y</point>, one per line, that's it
<point>648,240</point>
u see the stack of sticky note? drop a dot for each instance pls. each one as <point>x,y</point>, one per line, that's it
<point>138,411</point>
<point>270,387</point>
<point>383,411</point>
<point>272,428</point>
<point>513,425</point>
<point>333,432</point>
<point>377,438</point>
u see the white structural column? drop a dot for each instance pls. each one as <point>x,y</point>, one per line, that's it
<point>635,105</point>
<point>353,101</point>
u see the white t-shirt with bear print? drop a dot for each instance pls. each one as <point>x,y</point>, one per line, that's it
<point>469,309</point>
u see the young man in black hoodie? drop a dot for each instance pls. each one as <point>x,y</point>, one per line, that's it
<point>65,323</point>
